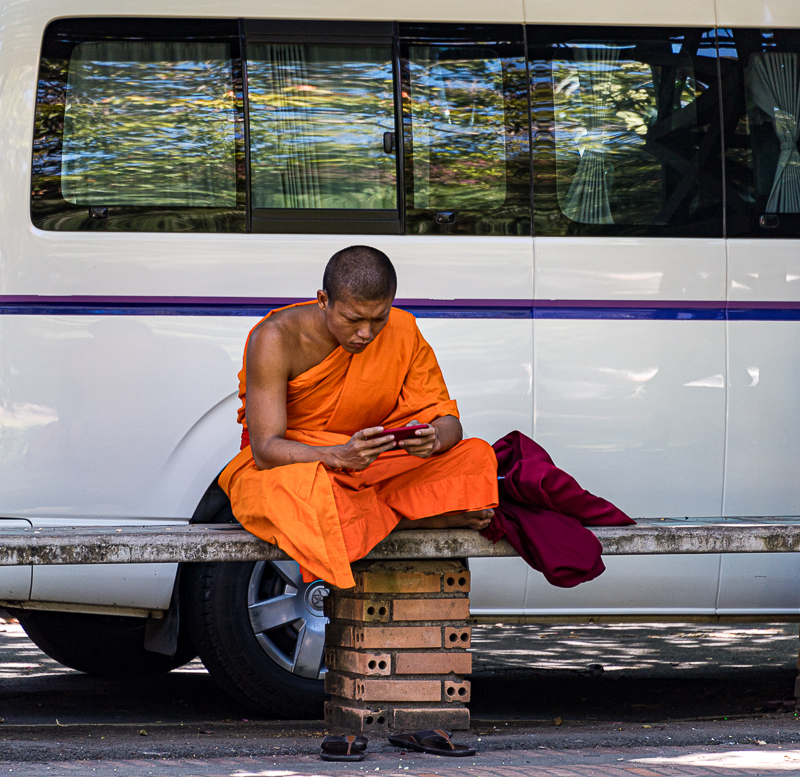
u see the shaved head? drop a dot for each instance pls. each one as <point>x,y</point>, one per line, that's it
<point>361,273</point>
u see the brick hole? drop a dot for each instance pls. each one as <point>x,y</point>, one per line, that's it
<point>462,691</point>
<point>451,691</point>
<point>453,637</point>
<point>372,664</point>
<point>451,581</point>
<point>370,610</point>
<point>382,611</point>
<point>382,665</point>
<point>369,720</point>
<point>462,580</point>
<point>464,637</point>
<point>381,720</point>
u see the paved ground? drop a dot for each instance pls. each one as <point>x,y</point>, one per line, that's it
<point>557,701</point>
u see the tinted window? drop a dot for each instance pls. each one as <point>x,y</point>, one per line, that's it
<point>626,132</point>
<point>761,99</point>
<point>318,114</point>
<point>466,135</point>
<point>141,134</point>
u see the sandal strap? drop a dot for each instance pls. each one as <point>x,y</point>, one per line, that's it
<point>444,735</point>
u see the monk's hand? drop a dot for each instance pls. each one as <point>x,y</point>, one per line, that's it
<point>423,444</point>
<point>364,447</point>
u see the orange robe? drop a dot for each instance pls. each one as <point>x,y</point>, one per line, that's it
<point>325,518</point>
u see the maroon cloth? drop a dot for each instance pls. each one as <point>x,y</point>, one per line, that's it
<point>543,512</point>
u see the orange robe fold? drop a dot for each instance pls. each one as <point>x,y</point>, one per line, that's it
<point>325,519</point>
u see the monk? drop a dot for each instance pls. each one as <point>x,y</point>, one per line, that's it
<point>320,382</point>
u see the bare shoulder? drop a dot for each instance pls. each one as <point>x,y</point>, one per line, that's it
<point>272,340</point>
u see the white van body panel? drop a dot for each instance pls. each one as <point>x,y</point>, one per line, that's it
<point>142,586</point>
<point>634,585</point>
<point>628,12</point>
<point>15,582</point>
<point>758,13</point>
<point>764,405</point>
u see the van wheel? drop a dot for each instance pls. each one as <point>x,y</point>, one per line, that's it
<point>260,631</point>
<point>100,645</point>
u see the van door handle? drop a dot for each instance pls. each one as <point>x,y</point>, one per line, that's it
<point>769,221</point>
<point>388,142</point>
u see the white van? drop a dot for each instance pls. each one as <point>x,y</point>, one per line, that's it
<point>594,211</point>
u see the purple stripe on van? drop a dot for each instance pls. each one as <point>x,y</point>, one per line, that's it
<point>20,304</point>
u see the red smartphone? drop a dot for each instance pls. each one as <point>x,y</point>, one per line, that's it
<point>403,432</point>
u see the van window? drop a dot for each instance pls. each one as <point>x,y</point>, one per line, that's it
<point>761,100</point>
<point>466,129</point>
<point>150,123</point>
<point>625,129</point>
<point>138,134</point>
<point>318,114</point>
<point>458,126</point>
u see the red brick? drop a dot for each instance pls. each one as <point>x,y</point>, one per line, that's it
<point>366,610</point>
<point>411,719</point>
<point>359,663</point>
<point>457,638</point>
<point>398,690</point>
<point>403,637</point>
<point>457,691</point>
<point>348,720</point>
<point>456,581</point>
<point>339,635</point>
<point>433,663</point>
<point>430,609</point>
<point>338,684</point>
<point>389,582</point>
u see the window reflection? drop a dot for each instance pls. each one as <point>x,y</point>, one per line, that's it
<point>318,114</point>
<point>149,123</point>
<point>761,104</point>
<point>458,128</point>
<point>608,110</point>
<point>626,132</point>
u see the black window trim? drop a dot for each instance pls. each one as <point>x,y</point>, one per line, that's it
<point>328,220</point>
<point>48,208</point>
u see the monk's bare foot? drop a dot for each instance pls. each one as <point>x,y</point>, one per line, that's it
<point>476,519</point>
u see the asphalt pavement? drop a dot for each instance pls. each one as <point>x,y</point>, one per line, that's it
<point>562,701</point>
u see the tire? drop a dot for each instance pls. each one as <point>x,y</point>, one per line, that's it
<point>100,645</point>
<point>260,632</point>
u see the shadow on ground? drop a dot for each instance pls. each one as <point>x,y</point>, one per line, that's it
<point>626,673</point>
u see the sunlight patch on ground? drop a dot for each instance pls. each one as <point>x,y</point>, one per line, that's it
<point>773,760</point>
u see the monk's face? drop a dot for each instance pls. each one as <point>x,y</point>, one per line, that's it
<point>355,323</point>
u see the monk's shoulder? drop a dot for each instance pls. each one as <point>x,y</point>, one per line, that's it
<point>274,336</point>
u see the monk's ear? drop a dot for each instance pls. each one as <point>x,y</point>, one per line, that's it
<point>322,299</point>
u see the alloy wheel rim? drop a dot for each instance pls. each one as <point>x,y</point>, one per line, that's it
<point>286,617</point>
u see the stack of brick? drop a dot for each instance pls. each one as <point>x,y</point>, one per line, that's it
<point>397,648</point>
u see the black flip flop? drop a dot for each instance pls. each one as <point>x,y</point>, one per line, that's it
<point>435,742</point>
<point>337,748</point>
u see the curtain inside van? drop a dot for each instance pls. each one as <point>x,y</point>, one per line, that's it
<point>318,114</point>
<point>149,123</point>
<point>586,199</point>
<point>773,84</point>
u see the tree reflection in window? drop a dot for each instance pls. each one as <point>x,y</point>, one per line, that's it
<point>606,108</point>
<point>318,114</point>
<point>149,123</point>
<point>458,128</point>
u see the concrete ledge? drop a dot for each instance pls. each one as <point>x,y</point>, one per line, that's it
<point>197,543</point>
